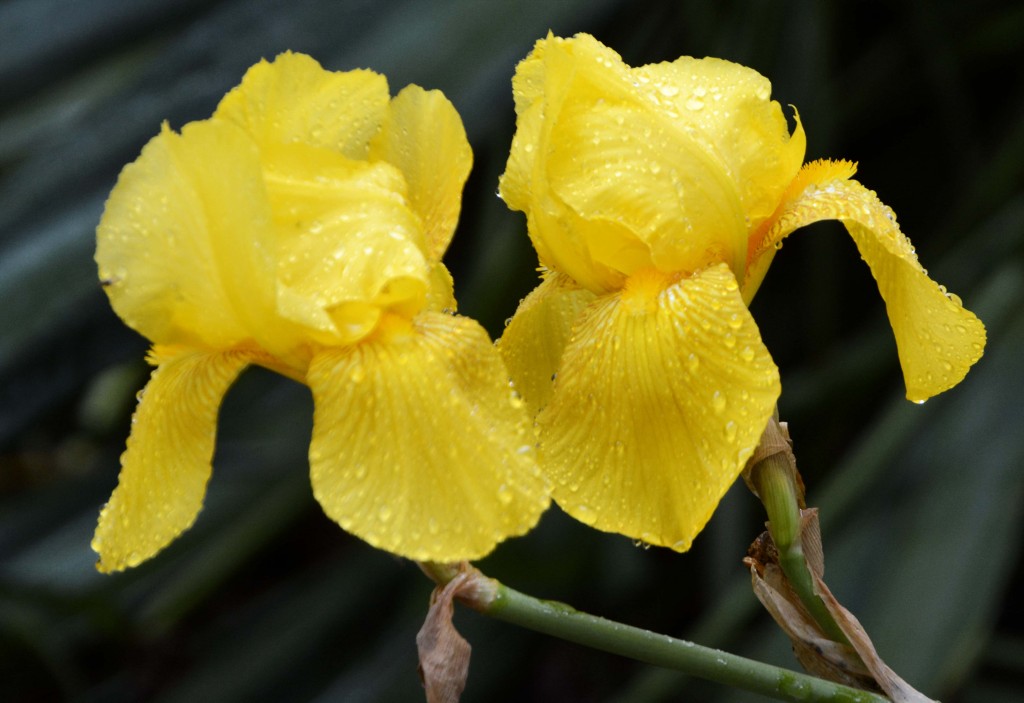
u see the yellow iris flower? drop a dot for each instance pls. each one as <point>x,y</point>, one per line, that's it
<point>655,198</point>
<point>301,229</point>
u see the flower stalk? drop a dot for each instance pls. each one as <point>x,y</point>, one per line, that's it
<point>776,486</point>
<point>500,602</point>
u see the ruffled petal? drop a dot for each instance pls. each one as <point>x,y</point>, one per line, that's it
<point>541,86</point>
<point>423,137</point>
<point>535,338</point>
<point>937,339</point>
<point>419,446</point>
<point>350,246</point>
<point>185,243</point>
<point>728,110</point>
<point>662,396</point>
<point>626,163</point>
<point>294,100</point>
<point>612,176</point>
<point>166,466</point>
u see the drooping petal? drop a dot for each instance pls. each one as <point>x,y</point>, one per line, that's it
<point>662,396</point>
<point>535,338</point>
<point>294,100</point>
<point>185,244</point>
<point>419,446</point>
<point>422,135</point>
<point>937,339</point>
<point>166,466</point>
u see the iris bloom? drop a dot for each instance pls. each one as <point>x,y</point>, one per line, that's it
<point>301,229</point>
<point>656,198</point>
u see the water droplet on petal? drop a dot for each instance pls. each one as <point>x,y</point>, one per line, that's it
<point>504,494</point>
<point>585,514</point>
<point>718,402</point>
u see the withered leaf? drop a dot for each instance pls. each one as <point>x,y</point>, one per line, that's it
<point>443,652</point>
<point>856,664</point>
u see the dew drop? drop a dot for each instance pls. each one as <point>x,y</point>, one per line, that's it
<point>504,494</point>
<point>718,402</point>
<point>585,514</point>
<point>693,363</point>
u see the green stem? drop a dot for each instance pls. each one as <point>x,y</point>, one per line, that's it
<point>496,600</point>
<point>773,478</point>
<point>560,620</point>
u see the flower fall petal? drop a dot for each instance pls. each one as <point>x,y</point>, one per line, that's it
<point>662,395</point>
<point>166,466</point>
<point>536,336</point>
<point>419,446</point>
<point>938,340</point>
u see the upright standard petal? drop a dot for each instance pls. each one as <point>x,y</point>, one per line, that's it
<point>535,338</point>
<point>728,110</point>
<point>419,445</point>
<point>649,194</point>
<point>938,340</point>
<point>422,135</point>
<point>662,396</point>
<point>350,246</point>
<point>166,466</point>
<point>185,243</point>
<point>294,100</point>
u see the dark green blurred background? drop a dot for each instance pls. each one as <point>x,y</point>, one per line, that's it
<point>266,599</point>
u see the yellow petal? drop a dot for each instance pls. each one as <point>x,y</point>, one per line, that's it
<point>166,466</point>
<point>419,446</point>
<point>556,230</point>
<point>662,396</point>
<point>293,99</point>
<point>441,294</point>
<point>350,245</point>
<point>629,164</point>
<point>614,179</point>
<point>937,339</point>
<point>728,110</point>
<point>423,137</point>
<point>535,338</point>
<point>185,245</point>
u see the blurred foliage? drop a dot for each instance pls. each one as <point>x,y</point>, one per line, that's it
<point>266,599</point>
